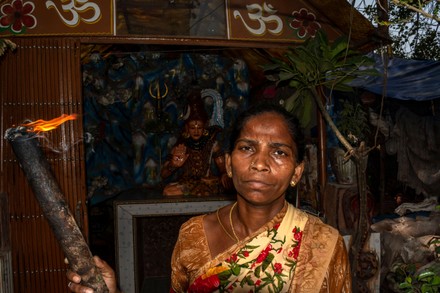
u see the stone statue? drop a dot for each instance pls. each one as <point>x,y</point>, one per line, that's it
<point>192,155</point>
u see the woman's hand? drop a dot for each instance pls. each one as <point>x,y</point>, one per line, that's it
<point>108,274</point>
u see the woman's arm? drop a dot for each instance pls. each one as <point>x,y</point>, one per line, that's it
<point>339,273</point>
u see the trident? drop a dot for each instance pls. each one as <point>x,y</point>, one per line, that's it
<point>158,95</point>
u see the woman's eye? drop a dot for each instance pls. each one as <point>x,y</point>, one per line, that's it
<point>280,153</point>
<point>245,148</point>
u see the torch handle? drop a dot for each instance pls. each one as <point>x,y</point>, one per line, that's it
<point>51,200</point>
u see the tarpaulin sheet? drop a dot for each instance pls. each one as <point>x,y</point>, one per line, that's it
<point>405,79</point>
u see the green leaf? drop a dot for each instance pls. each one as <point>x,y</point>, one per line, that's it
<point>246,280</point>
<point>424,275</point>
<point>338,48</point>
<point>236,270</point>
<point>436,281</point>
<point>291,102</point>
<point>404,285</point>
<point>306,115</point>
<point>270,66</point>
<point>267,261</point>
<point>224,275</point>
<point>427,288</point>
<point>257,271</point>
<point>295,84</point>
<point>286,75</point>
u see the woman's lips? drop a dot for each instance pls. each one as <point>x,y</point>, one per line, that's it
<point>257,184</point>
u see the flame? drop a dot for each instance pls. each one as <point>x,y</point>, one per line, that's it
<point>43,125</point>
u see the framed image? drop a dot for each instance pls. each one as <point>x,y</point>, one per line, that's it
<point>145,232</point>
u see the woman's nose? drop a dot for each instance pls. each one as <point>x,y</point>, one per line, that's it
<point>260,163</point>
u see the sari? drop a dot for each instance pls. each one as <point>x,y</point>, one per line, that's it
<point>294,252</point>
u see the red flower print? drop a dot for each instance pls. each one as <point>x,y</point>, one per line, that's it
<point>276,226</point>
<point>245,253</point>
<point>17,16</point>
<point>305,23</point>
<point>278,268</point>
<point>297,235</point>
<point>206,285</point>
<point>257,283</point>
<point>232,259</point>
<point>279,250</point>
<point>262,256</point>
<point>295,251</point>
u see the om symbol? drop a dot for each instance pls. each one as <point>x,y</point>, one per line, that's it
<point>75,7</point>
<point>255,13</point>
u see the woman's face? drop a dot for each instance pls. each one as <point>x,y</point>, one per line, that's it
<point>195,129</point>
<point>263,161</point>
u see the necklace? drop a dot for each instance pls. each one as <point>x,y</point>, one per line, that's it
<point>223,227</point>
<point>197,144</point>
<point>230,222</point>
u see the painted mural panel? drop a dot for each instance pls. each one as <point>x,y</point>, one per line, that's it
<point>276,20</point>
<point>56,17</point>
<point>134,103</point>
<point>257,20</point>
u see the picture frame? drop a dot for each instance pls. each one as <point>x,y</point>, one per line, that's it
<point>127,216</point>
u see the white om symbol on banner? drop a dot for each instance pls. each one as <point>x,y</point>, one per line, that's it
<point>255,13</point>
<point>75,7</point>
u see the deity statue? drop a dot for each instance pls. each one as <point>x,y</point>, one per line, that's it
<point>192,155</point>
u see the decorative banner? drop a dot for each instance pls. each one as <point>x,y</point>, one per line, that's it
<point>256,20</point>
<point>56,17</point>
<point>276,20</point>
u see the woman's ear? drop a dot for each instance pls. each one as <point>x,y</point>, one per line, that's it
<point>299,169</point>
<point>228,163</point>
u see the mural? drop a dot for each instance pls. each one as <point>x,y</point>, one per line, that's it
<point>134,104</point>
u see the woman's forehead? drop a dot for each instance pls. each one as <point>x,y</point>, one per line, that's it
<point>267,123</point>
<point>267,119</point>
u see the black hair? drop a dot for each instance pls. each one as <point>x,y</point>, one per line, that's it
<point>267,107</point>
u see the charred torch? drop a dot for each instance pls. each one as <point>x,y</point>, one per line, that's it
<point>25,145</point>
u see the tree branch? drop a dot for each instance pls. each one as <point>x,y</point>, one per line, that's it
<point>416,9</point>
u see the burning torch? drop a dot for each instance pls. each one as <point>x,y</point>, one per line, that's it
<point>51,200</point>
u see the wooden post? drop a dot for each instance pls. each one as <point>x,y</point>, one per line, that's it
<point>322,158</point>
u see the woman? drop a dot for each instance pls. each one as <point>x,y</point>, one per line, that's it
<point>261,243</point>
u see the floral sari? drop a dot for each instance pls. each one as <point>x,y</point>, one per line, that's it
<point>266,261</point>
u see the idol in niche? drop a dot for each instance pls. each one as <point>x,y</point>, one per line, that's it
<point>193,154</point>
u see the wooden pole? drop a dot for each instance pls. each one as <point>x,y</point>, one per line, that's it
<point>51,200</point>
<point>322,157</point>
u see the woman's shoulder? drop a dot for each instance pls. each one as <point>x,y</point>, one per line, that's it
<point>192,243</point>
<point>312,221</point>
<point>317,225</point>
<point>193,224</point>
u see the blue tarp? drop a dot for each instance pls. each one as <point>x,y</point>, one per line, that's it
<point>406,79</point>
